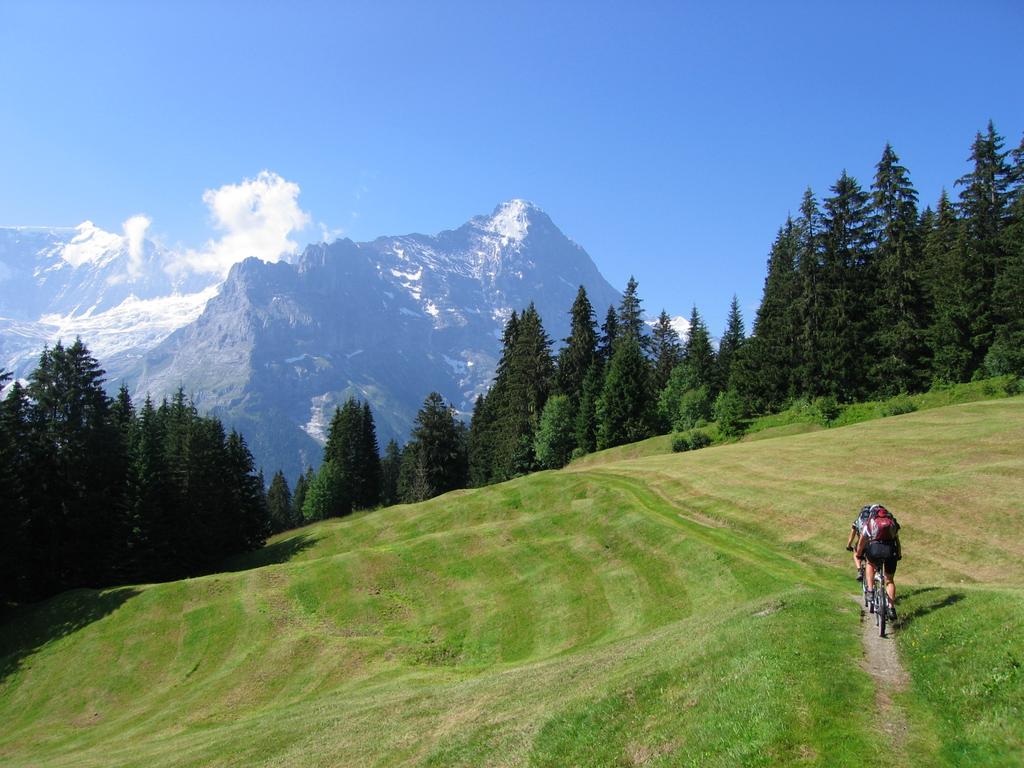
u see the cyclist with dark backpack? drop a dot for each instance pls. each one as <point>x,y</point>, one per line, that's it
<point>856,531</point>
<point>880,544</point>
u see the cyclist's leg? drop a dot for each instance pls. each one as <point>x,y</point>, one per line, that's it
<point>890,579</point>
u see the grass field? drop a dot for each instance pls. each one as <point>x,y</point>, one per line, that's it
<point>639,608</point>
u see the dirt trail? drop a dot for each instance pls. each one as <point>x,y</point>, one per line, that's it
<point>882,662</point>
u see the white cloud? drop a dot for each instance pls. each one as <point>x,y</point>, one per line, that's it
<point>135,234</point>
<point>257,217</point>
<point>329,234</point>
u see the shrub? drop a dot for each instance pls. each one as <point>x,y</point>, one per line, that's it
<point>694,409</point>
<point>898,405</point>
<point>691,440</point>
<point>826,409</point>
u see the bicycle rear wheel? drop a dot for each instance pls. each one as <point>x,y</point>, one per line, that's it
<point>882,611</point>
<point>883,603</point>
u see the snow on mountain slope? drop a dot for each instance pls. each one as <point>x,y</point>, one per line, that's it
<point>112,290</point>
<point>277,345</point>
<point>388,321</point>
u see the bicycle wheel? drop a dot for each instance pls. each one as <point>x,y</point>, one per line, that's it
<point>882,610</point>
<point>883,602</point>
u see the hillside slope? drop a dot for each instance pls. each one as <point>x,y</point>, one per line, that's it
<point>641,612</point>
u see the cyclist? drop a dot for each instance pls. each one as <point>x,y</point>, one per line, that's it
<point>854,538</point>
<point>880,544</point>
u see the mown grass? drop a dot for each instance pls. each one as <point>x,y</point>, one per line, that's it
<point>963,650</point>
<point>642,611</point>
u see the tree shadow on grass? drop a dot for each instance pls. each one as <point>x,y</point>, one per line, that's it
<point>26,629</point>
<point>951,599</point>
<point>272,554</point>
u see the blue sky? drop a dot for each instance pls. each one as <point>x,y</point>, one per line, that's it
<point>669,139</point>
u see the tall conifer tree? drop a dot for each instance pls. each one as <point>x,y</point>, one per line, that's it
<point>631,318</point>
<point>949,333</point>
<point>1006,355</point>
<point>668,352</point>
<point>729,345</point>
<point>768,366</point>
<point>898,313</point>
<point>847,285</point>
<point>576,357</point>
<point>626,412</point>
<point>809,305</point>
<point>984,208</point>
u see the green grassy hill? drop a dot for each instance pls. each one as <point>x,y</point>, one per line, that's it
<point>627,611</point>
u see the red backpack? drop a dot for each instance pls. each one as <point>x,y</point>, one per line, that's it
<point>882,526</point>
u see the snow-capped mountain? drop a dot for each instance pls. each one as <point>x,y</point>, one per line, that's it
<point>277,346</point>
<point>387,321</point>
<point>112,290</point>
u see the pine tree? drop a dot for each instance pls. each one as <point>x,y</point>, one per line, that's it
<point>440,457</point>
<point>846,289</point>
<point>487,429</point>
<point>949,334</point>
<point>729,346</point>
<point>482,439</point>
<point>389,468</point>
<point>625,412</point>
<point>299,497</point>
<point>630,317</point>
<point>984,210</point>
<point>609,333</point>
<point>152,499</point>
<point>1006,355</point>
<point>699,365</point>
<point>247,496</point>
<point>810,306</point>
<point>413,476</point>
<point>899,318</point>
<point>576,357</point>
<point>765,371</point>
<point>586,424</point>
<point>71,414</point>
<point>344,449</point>
<point>279,503</point>
<point>368,489</point>
<point>519,394</point>
<point>17,480</point>
<point>668,352</point>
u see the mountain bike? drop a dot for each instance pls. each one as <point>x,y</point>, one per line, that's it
<point>880,602</point>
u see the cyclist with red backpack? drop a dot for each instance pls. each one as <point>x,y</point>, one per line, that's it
<point>880,544</point>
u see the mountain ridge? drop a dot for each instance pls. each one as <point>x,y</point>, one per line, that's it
<point>274,347</point>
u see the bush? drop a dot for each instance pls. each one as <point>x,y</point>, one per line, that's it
<point>899,405</point>
<point>692,440</point>
<point>694,409</point>
<point>826,409</point>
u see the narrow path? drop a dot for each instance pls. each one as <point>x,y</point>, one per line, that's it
<point>882,662</point>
